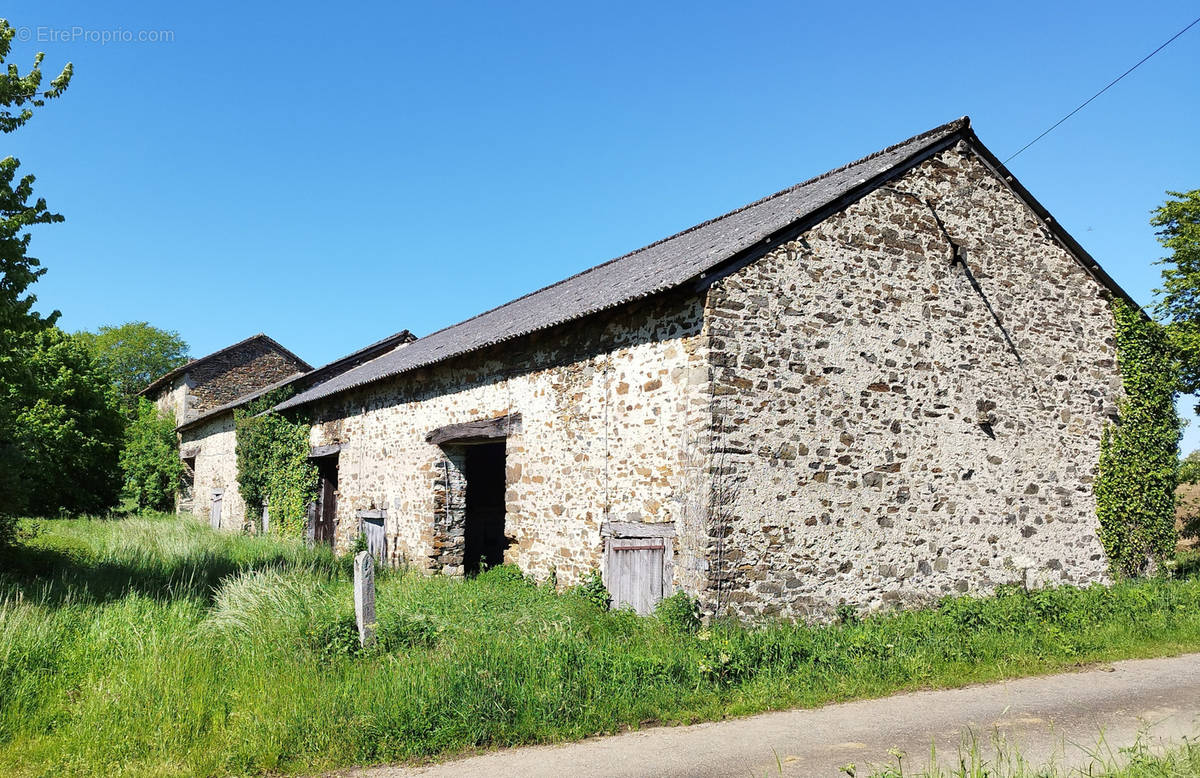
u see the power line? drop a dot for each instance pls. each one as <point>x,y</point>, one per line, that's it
<point>1105,89</point>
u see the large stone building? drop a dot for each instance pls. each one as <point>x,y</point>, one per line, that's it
<point>877,387</point>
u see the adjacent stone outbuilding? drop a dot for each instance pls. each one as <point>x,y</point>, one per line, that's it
<point>208,437</point>
<point>194,390</point>
<point>876,387</point>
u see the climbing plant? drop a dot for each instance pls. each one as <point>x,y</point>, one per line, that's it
<point>1139,452</point>
<point>273,464</point>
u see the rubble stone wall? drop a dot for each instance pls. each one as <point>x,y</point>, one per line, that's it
<point>613,417</point>
<point>895,425</point>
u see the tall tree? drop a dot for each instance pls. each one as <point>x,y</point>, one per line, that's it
<point>19,95</point>
<point>1178,223</point>
<point>19,323</point>
<point>135,353</point>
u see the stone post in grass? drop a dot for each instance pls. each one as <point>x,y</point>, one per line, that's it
<point>364,597</point>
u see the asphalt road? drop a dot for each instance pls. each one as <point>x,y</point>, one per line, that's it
<point>1057,718</point>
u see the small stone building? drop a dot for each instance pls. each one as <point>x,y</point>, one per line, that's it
<point>194,389</point>
<point>877,387</point>
<point>208,441</point>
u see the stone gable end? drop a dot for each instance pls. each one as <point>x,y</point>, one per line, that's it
<point>894,426</point>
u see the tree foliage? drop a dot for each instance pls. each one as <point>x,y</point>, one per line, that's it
<point>150,463</point>
<point>1189,468</point>
<point>136,353</point>
<point>65,432</point>
<point>1139,453</point>
<point>1178,223</point>
<point>273,464</point>
<point>19,210</point>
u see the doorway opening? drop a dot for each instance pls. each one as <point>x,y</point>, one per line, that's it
<point>484,540</point>
<point>325,516</point>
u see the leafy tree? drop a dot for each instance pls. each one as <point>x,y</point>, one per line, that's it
<point>68,427</point>
<point>1189,468</point>
<point>150,460</point>
<point>19,95</point>
<point>19,210</point>
<point>135,353</point>
<point>1178,223</point>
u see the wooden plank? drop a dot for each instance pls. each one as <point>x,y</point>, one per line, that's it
<point>637,529</point>
<point>476,431</point>
<point>378,513</point>
<point>324,451</point>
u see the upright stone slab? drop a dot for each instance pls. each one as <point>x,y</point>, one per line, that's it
<point>364,597</point>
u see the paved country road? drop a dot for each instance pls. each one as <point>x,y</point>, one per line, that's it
<point>1050,718</point>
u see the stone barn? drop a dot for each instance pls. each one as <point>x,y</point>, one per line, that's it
<point>195,389</point>
<point>208,439</point>
<point>877,387</point>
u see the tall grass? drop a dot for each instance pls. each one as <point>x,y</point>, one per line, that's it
<point>155,646</point>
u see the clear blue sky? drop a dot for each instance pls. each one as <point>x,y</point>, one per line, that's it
<point>329,174</point>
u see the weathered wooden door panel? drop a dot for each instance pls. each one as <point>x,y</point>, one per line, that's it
<point>373,530</point>
<point>214,509</point>
<point>635,575</point>
<point>324,525</point>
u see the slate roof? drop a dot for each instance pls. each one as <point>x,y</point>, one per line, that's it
<point>312,377</point>
<point>170,376</point>
<point>666,264</point>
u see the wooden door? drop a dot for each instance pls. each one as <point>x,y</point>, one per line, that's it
<point>635,572</point>
<point>325,524</point>
<point>373,530</point>
<point>214,509</point>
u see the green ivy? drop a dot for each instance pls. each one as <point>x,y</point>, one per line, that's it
<point>273,464</point>
<point>1139,453</point>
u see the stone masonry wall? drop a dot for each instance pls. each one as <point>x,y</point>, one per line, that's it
<point>883,440</point>
<point>173,399</point>
<point>613,411</point>
<point>236,373</point>
<point>216,468</point>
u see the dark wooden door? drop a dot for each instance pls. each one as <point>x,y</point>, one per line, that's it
<point>325,525</point>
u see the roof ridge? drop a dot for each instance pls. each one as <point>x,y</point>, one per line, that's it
<point>193,362</point>
<point>956,124</point>
<point>657,266</point>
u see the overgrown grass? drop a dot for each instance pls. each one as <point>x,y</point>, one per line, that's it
<point>155,646</point>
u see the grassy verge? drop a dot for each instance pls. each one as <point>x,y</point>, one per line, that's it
<point>154,646</point>
<point>1003,760</point>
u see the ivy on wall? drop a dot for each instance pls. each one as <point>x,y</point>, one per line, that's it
<point>1139,453</point>
<point>273,465</point>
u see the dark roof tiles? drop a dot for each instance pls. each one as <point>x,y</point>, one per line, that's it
<point>663,265</point>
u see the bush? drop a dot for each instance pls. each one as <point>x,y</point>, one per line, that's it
<point>593,590</point>
<point>65,424</point>
<point>150,460</point>
<point>679,613</point>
